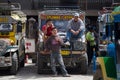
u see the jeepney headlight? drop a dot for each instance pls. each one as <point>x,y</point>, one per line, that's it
<point>11,42</point>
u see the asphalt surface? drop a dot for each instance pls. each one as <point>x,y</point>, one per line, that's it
<point>29,72</point>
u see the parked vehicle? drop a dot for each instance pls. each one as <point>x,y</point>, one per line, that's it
<point>74,55</point>
<point>12,28</point>
<point>31,39</point>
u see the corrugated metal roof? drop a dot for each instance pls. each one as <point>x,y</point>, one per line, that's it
<point>31,6</point>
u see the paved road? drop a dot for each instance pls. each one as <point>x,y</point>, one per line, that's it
<point>29,72</point>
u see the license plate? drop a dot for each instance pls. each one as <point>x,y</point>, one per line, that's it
<point>63,52</point>
<point>1,59</point>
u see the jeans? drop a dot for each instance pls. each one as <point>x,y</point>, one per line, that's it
<point>71,35</point>
<point>57,57</point>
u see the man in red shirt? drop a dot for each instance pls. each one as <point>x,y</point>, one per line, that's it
<point>47,28</point>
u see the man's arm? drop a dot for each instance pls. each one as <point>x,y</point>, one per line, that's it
<point>60,40</point>
<point>69,26</point>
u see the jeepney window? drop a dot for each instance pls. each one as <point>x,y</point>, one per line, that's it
<point>60,24</point>
<point>19,26</point>
<point>6,27</point>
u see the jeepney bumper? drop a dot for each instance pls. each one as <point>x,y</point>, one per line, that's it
<point>70,59</point>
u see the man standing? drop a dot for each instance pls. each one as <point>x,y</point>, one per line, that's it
<point>91,43</point>
<point>53,44</point>
<point>76,27</point>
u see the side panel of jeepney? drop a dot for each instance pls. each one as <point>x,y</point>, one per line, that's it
<point>29,45</point>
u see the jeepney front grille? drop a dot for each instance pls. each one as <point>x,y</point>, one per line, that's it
<point>3,45</point>
<point>79,45</point>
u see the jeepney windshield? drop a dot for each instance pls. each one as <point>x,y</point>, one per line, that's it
<point>6,27</point>
<point>60,24</point>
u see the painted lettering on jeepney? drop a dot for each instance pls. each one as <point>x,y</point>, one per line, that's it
<point>57,17</point>
<point>67,17</point>
<point>60,17</point>
<point>53,17</point>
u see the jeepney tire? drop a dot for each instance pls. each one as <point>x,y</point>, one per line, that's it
<point>83,67</point>
<point>39,64</point>
<point>98,74</point>
<point>22,64</point>
<point>15,64</point>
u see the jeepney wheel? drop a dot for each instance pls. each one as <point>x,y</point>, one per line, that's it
<point>15,64</point>
<point>22,63</point>
<point>98,74</point>
<point>83,67</point>
<point>39,63</point>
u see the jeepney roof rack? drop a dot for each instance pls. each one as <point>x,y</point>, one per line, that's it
<point>115,4</point>
<point>61,7</point>
<point>10,6</point>
<point>6,8</point>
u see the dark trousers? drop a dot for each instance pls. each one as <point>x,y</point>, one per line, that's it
<point>90,52</point>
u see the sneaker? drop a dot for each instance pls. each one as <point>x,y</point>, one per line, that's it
<point>66,75</point>
<point>67,43</point>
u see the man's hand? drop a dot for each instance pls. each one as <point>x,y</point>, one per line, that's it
<point>73,31</point>
<point>77,32</point>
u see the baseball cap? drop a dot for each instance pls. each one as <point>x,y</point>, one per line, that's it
<point>76,14</point>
